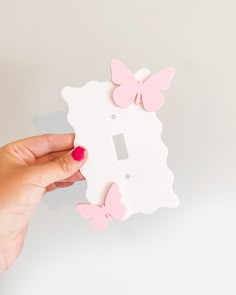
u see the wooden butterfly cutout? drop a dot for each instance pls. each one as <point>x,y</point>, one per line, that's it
<point>147,92</point>
<point>99,215</point>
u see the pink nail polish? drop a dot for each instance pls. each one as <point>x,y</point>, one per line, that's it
<point>78,153</point>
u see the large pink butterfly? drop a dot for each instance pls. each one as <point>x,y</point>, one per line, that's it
<point>99,215</point>
<point>149,92</point>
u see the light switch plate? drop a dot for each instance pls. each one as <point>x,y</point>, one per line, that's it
<point>124,147</point>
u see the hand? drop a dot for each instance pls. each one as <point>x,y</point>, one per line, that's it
<point>28,169</point>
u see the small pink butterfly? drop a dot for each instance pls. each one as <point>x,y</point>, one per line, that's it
<point>148,91</point>
<point>99,215</point>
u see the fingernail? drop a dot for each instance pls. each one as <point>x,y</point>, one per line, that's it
<point>78,153</point>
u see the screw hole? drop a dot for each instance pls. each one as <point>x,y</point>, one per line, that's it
<point>127,176</point>
<point>113,116</point>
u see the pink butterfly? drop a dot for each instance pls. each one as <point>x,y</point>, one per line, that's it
<point>148,91</point>
<point>99,215</point>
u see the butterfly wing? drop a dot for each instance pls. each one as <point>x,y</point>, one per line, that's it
<point>121,74</point>
<point>99,222</point>
<point>94,213</point>
<point>152,97</point>
<point>126,89</point>
<point>113,203</point>
<point>124,95</point>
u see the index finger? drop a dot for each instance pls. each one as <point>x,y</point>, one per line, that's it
<point>43,144</point>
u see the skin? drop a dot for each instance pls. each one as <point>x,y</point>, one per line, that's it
<point>30,168</point>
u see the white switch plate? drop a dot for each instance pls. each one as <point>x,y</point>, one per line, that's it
<point>144,178</point>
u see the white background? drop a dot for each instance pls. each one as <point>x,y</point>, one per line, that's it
<point>48,44</point>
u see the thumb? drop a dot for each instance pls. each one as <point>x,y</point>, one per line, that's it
<point>63,167</point>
